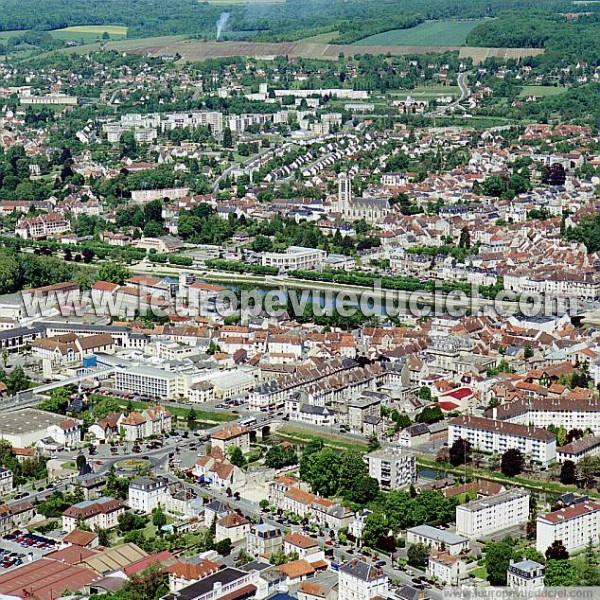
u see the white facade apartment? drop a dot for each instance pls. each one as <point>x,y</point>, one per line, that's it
<point>295,257</point>
<point>391,468</point>
<point>359,580</point>
<point>482,517</point>
<point>574,526</point>
<point>445,568</point>
<point>146,493</point>
<point>489,435</point>
<point>147,381</point>
<point>526,575</point>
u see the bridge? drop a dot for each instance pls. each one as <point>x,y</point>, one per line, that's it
<point>27,398</point>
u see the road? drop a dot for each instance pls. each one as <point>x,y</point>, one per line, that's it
<point>465,92</point>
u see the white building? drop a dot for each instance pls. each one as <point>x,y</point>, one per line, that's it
<point>574,526</point>
<point>490,435</point>
<point>570,413</point>
<point>42,226</point>
<point>102,513</point>
<point>526,575</point>
<point>493,514</point>
<point>147,381</point>
<point>235,435</point>
<point>445,568</point>
<point>263,539</point>
<point>437,539</point>
<point>232,384</point>
<point>146,493</point>
<point>588,445</point>
<point>391,468</point>
<point>359,580</point>
<point>67,433</point>
<point>295,257</point>
<point>6,481</point>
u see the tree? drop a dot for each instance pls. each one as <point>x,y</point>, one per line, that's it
<point>236,456</point>
<point>103,538</point>
<point>568,473</point>
<point>424,393</point>
<point>589,575</point>
<point>587,468</point>
<point>224,547</point>
<point>376,528</point>
<point>113,272</point>
<point>321,470</point>
<point>560,573</point>
<point>362,491</point>
<point>513,462</point>
<point>430,414</point>
<point>159,519</point>
<point>417,555</point>
<point>528,352</point>
<point>497,560</point>
<point>128,522</point>
<point>192,418</point>
<point>58,401</point>
<point>264,504</point>
<point>373,442</point>
<point>17,381</point>
<point>80,461</point>
<point>557,551</point>
<point>280,456</point>
<point>227,138</point>
<point>460,452</point>
<point>465,238</point>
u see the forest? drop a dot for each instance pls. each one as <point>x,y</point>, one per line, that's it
<point>349,20</point>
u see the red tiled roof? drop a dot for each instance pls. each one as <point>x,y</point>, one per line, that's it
<point>164,557</point>
<point>45,579</point>
<point>572,512</point>
<point>78,537</point>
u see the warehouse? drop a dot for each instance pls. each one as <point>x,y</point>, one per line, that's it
<point>26,427</point>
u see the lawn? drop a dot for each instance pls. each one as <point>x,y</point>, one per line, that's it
<point>430,33</point>
<point>5,35</point>
<point>294,434</point>
<point>90,33</point>
<point>177,411</point>
<point>97,29</point>
<point>541,91</point>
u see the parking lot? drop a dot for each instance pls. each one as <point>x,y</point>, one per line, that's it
<point>16,551</point>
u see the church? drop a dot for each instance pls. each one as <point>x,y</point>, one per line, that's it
<point>354,209</point>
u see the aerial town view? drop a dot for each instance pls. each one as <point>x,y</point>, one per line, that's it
<point>299,299</point>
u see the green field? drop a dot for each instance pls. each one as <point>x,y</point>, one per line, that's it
<point>541,91</point>
<point>90,33</point>
<point>430,33</point>
<point>5,35</point>
<point>96,29</point>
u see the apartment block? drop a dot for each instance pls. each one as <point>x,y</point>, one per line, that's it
<point>391,468</point>
<point>490,435</point>
<point>574,526</point>
<point>493,514</point>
